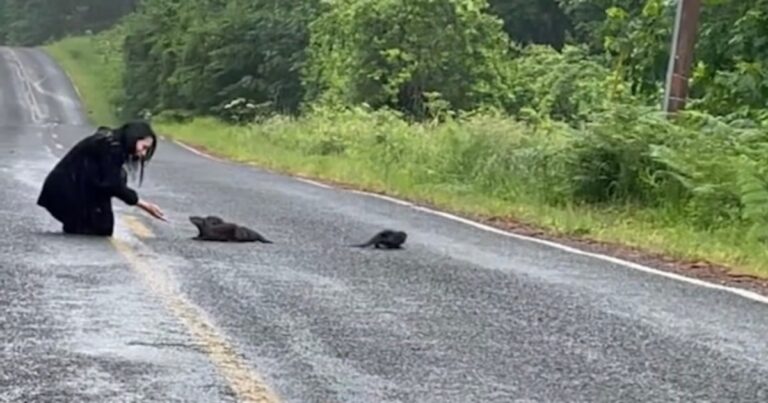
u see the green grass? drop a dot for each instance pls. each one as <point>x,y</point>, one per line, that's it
<point>644,229</point>
<point>483,167</point>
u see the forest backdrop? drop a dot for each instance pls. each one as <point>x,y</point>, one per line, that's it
<point>544,111</point>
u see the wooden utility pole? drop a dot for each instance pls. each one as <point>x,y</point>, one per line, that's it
<point>681,54</point>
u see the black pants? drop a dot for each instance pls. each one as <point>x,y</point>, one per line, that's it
<point>96,219</point>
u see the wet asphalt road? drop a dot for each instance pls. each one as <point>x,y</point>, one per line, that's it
<point>460,315</point>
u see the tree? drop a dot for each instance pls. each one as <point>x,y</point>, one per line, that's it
<point>399,53</point>
<point>533,21</point>
<point>33,22</point>
<point>203,54</point>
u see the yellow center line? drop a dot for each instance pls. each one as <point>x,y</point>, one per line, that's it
<point>247,385</point>
<point>138,227</point>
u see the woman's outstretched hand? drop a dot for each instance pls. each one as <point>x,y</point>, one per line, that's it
<point>152,209</point>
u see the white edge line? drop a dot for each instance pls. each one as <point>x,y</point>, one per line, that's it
<point>737,291</point>
<point>208,156</point>
<point>311,182</point>
<point>69,77</point>
<point>200,153</point>
<point>387,198</point>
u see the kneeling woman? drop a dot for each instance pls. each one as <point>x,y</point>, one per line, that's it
<point>78,192</point>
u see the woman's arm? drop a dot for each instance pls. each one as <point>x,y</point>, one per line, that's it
<point>107,174</point>
<point>108,178</point>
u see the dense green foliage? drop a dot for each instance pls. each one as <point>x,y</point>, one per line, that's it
<point>422,56</point>
<point>201,54</point>
<point>32,22</point>
<point>375,51</point>
<point>553,103</point>
<point>244,58</point>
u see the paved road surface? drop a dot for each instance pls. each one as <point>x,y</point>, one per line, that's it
<point>461,315</point>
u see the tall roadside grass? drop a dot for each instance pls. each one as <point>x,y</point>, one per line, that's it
<point>693,188</point>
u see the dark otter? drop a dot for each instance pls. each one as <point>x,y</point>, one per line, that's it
<point>387,239</point>
<point>213,228</point>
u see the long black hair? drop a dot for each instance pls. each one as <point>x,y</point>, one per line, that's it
<point>128,135</point>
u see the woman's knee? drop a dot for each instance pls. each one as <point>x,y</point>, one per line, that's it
<point>103,223</point>
<point>94,230</point>
<point>97,221</point>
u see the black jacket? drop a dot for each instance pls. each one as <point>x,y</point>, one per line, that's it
<point>88,176</point>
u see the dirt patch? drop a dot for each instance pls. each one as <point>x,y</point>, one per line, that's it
<point>698,269</point>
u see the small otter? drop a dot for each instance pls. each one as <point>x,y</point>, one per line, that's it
<point>387,239</point>
<point>213,228</point>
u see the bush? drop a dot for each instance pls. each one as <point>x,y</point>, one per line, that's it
<point>202,56</point>
<point>387,53</point>
<point>568,85</point>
